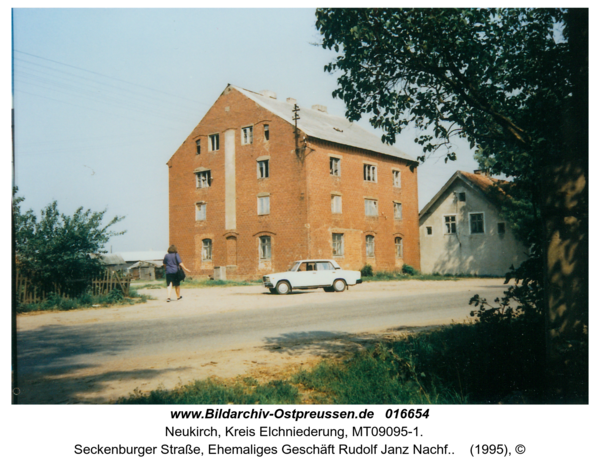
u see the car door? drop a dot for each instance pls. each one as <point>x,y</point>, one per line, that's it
<point>305,276</point>
<point>325,273</point>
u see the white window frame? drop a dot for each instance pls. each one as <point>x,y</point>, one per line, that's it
<point>247,135</point>
<point>339,251</point>
<point>264,248</point>
<point>371,208</point>
<point>264,205</point>
<point>396,178</point>
<point>335,166</point>
<point>213,142</point>
<point>336,204</point>
<point>370,173</point>
<point>397,210</point>
<point>446,232</point>
<point>262,169</point>
<point>200,211</point>
<point>482,223</point>
<point>399,250</point>
<point>207,250</point>
<point>198,146</point>
<point>203,179</point>
<point>370,245</point>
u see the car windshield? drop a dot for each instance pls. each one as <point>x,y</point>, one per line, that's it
<point>294,267</point>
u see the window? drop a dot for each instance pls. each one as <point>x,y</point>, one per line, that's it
<point>370,207</point>
<point>338,244</point>
<point>370,173</point>
<point>206,250</point>
<point>462,197</point>
<point>336,204</point>
<point>247,135</point>
<point>203,179</point>
<point>264,249</point>
<point>213,140</point>
<point>396,177</point>
<point>502,228</point>
<point>399,248</point>
<point>262,169</point>
<point>370,241</point>
<point>264,205</point>
<point>266,128</point>
<point>200,211</point>
<point>335,166</point>
<point>476,222</point>
<point>397,211</point>
<point>198,148</point>
<point>429,231</point>
<point>450,224</point>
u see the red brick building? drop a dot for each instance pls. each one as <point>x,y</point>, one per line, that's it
<point>250,192</point>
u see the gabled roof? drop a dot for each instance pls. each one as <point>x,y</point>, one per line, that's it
<point>321,125</point>
<point>486,185</point>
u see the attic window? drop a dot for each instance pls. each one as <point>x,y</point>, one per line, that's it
<point>266,132</point>
<point>198,148</point>
<point>340,130</point>
<point>462,197</point>
<point>247,135</point>
<point>213,142</point>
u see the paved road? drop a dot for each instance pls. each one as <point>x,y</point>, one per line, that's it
<point>162,336</point>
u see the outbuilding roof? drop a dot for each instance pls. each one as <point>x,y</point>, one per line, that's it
<point>319,124</point>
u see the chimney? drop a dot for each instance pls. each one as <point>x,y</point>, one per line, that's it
<point>320,108</point>
<point>291,100</point>
<point>270,94</point>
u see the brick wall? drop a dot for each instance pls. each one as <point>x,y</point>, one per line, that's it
<point>300,223</point>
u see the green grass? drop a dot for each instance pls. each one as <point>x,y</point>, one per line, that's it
<point>55,302</point>
<point>193,283</point>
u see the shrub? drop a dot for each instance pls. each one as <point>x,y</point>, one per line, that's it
<point>367,271</point>
<point>407,269</point>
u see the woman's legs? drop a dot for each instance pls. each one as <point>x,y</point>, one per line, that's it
<point>177,289</point>
<point>169,288</point>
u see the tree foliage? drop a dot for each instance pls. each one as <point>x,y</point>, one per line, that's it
<point>57,248</point>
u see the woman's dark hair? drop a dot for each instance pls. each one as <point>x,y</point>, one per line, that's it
<point>172,249</point>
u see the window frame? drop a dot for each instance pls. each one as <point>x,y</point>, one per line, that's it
<point>370,173</point>
<point>245,139</point>
<point>471,223</point>
<point>203,182</point>
<point>462,196</point>
<point>200,207</point>
<point>335,166</point>
<point>212,139</point>
<point>207,245</point>
<point>396,210</point>
<point>264,163</point>
<point>337,252</point>
<point>198,146</point>
<point>396,180</point>
<point>266,132</point>
<point>334,204</point>
<point>428,230</point>
<point>446,223</point>
<point>261,248</point>
<point>368,209</point>
<point>370,246</point>
<point>399,241</point>
<point>262,204</point>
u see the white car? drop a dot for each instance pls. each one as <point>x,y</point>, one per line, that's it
<point>313,273</point>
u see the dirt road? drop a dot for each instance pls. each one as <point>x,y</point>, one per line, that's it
<point>98,355</point>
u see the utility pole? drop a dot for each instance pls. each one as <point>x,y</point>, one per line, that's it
<point>296,117</point>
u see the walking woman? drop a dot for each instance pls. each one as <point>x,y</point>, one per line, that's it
<point>172,263</point>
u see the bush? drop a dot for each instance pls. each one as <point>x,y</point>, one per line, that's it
<point>407,269</point>
<point>367,271</point>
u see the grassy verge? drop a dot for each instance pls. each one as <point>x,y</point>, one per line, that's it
<point>461,363</point>
<point>193,283</point>
<point>55,302</point>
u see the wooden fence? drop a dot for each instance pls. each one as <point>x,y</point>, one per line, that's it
<point>27,293</point>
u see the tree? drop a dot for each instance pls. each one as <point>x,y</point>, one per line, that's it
<point>58,248</point>
<point>514,83</point>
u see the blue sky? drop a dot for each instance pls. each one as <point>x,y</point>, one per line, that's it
<point>104,97</point>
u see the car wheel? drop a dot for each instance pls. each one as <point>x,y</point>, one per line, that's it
<point>328,289</point>
<point>339,285</point>
<point>283,288</point>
